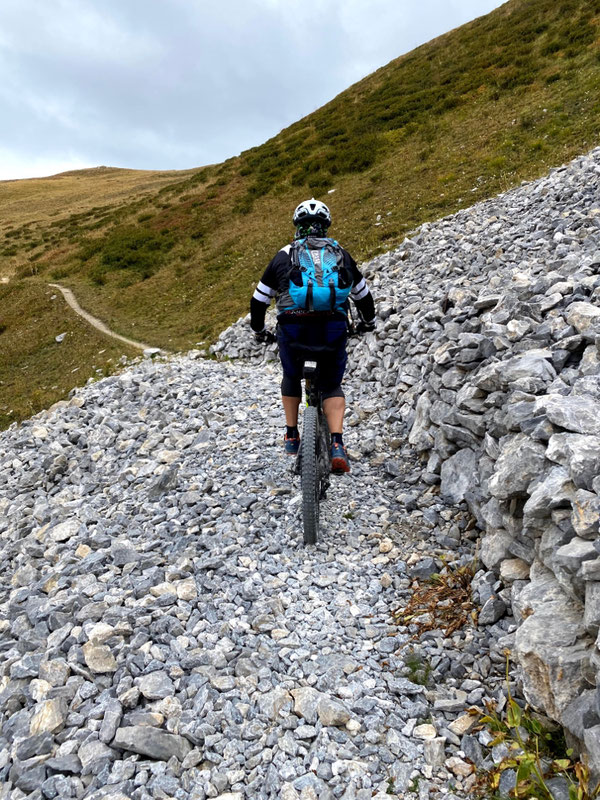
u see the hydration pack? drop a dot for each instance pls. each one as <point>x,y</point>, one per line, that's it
<point>319,281</point>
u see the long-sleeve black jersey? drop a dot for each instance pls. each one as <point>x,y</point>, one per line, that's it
<point>275,283</point>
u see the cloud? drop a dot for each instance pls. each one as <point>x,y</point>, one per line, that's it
<point>165,84</point>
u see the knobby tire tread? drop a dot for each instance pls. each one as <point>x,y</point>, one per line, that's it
<point>309,477</point>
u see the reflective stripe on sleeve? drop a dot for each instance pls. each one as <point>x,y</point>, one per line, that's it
<point>263,293</point>
<point>360,290</point>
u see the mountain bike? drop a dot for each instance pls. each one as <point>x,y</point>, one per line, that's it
<point>313,462</point>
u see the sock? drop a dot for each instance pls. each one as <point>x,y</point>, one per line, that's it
<point>291,432</point>
<point>336,438</point>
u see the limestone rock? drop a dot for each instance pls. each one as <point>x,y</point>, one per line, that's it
<point>578,453</point>
<point>152,742</point>
<point>156,685</point>
<point>582,316</point>
<point>554,490</point>
<point>552,655</point>
<point>332,712</point>
<point>514,569</point>
<point>574,413</point>
<point>306,701</point>
<point>520,461</point>
<point>99,658</point>
<point>48,716</point>
<point>586,514</point>
<point>272,702</point>
<point>459,475</point>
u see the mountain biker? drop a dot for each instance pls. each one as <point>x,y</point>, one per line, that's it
<point>304,333</point>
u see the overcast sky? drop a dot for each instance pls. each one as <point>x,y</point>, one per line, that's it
<point>172,84</point>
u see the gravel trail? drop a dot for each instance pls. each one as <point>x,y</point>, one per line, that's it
<point>97,323</point>
<point>166,634</point>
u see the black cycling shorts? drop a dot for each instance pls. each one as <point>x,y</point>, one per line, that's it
<point>317,339</point>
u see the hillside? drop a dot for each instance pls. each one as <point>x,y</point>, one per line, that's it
<point>459,119</point>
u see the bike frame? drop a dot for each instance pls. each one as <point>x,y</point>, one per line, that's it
<point>315,473</point>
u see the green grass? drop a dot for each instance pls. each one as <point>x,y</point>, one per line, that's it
<point>30,321</point>
<point>462,118</point>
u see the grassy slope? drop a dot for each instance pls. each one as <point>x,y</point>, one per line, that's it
<point>34,315</point>
<point>459,119</point>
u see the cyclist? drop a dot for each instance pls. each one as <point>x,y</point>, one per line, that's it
<point>303,332</point>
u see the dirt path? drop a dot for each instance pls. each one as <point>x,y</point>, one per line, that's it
<point>98,324</point>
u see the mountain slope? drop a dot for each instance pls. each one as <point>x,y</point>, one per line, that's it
<point>457,120</point>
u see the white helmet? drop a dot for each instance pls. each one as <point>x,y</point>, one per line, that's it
<point>310,211</point>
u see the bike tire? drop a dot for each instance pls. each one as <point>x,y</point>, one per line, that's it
<point>309,475</point>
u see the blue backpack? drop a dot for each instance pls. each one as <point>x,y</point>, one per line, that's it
<point>319,280</point>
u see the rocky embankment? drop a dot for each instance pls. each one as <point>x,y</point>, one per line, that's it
<point>487,358</point>
<point>164,633</point>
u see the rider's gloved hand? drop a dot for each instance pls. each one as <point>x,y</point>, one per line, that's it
<point>365,327</point>
<point>264,337</point>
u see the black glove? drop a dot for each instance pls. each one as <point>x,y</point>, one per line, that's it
<point>365,327</point>
<point>265,337</point>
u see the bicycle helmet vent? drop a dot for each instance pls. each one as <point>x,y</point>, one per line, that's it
<point>312,210</point>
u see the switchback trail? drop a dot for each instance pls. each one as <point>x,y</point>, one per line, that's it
<point>97,323</point>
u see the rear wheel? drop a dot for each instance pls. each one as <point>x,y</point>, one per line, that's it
<point>309,476</point>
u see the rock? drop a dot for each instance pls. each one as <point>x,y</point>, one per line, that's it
<point>111,720</point>
<point>495,547</point>
<point>582,316</point>
<point>99,658</point>
<point>38,745</point>
<point>48,716</point>
<point>64,530</point>
<point>572,555</point>
<point>152,742</point>
<point>156,685</point>
<point>424,569</point>
<point>69,763</point>
<point>533,364</point>
<point>586,514</point>
<point>555,490</point>
<point>419,436</point>
<point>55,672</point>
<point>579,454</point>
<point>520,461</point>
<point>459,475</point>
<point>434,751</point>
<point>591,614</point>
<point>551,655</point>
<point>332,712</point>
<point>514,569</point>
<point>273,702</point>
<point>425,731</point>
<point>186,590</point>
<point>463,724</point>
<point>492,610</point>
<point>459,767</point>
<point>591,740</point>
<point>574,413</point>
<point>306,702</point>
<point>94,755</point>
<point>123,553</point>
